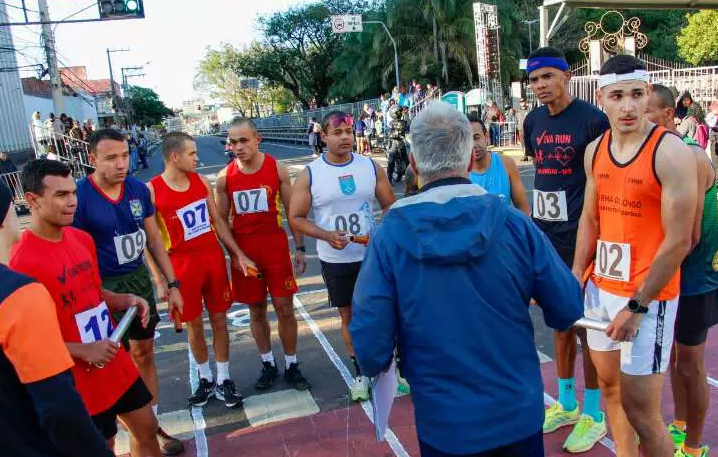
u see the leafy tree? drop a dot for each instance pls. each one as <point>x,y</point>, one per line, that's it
<point>147,108</point>
<point>698,41</point>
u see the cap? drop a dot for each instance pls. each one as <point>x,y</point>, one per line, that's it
<point>5,200</point>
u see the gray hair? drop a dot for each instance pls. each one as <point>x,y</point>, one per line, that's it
<point>441,142</point>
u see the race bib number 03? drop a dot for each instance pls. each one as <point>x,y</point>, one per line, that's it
<point>351,224</point>
<point>550,206</point>
<point>613,260</point>
<point>195,219</point>
<point>94,324</point>
<point>130,247</point>
<point>251,201</point>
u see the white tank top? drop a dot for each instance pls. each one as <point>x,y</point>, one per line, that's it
<point>343,200</point>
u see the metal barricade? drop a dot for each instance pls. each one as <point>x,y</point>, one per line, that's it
<point>502,134</point>
<point>12,180</point>
<point>73,151</point>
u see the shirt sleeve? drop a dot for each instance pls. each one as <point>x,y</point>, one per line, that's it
<point>30,334</point>
<point>147,203</point>
<point>78,221</point>
<point>527,136</point>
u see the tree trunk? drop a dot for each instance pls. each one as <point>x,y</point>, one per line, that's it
<point>444,63</point>
<point>436,36</point>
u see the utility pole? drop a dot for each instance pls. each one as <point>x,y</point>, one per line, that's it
<point>531,41</point>
<point>112,83</point>
<point>48,38</point>
<point>126,86</point>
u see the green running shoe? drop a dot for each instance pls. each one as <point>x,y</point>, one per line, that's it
<point>556,417</point>
<point>678,435</point>
<point>585,434</point>
<point>705,450</point>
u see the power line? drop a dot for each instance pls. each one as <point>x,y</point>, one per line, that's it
<point>18,7</point>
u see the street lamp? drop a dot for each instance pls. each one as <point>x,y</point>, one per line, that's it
<point>530,23</point>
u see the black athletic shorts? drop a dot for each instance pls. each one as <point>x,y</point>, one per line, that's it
<point>340,279</point>
<point>136,397</point>
<point>138,283</point>
<point>696,314</point>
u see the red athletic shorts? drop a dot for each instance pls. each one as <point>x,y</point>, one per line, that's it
<point>202,275</point>
<point>270,252</point>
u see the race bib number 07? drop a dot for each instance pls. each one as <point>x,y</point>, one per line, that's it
<point>94,324</point>
<point>251,201</point>
<point>351,224</point>
<point>130,247</point>
<point>550,206</point>
<point>195,219</point>
<point>613,260</point>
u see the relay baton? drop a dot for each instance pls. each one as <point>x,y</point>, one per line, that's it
<point>177,318</point>
<point>359,239</point>
<point>121,329</point>
<point>252,272</point>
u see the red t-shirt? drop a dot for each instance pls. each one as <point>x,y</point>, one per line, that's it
<point>68,270</point>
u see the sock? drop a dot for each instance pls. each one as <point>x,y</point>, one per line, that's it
<point>567,394</point>
<point>692,451</point>
<point>592,404</point>
<point>222,371</point>
<point>269,357</point>
<point>290,359</point>
<point>154,409</point>
<point>680,425</point>
<point>205,371</point>
<point>356,366</point>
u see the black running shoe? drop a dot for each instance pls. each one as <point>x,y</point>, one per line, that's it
<point>269,374</point>
<point>295,379</point>
<point>204,392</point>
<point>227,392</point>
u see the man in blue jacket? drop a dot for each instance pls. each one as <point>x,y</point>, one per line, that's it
<point>448,277</point>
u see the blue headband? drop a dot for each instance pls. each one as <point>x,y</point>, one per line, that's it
<point>541,62</point>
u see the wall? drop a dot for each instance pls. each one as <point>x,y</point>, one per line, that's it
<point>75,107</point>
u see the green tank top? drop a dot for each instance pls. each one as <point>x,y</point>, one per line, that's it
<point>699,272</point>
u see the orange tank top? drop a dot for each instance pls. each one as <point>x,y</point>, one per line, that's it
<point>255,199</point>
<point>629,213</point>
<point>183,216</point>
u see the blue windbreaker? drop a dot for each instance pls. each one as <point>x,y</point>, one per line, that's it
<point>448,276</point>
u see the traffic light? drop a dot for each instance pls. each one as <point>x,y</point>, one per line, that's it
<point>121,9</point>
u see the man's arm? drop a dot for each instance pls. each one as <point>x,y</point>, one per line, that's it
<point>223,204</point>
<point>518,192</point>
<point>156,246</point>
<point>705,177</point>
<point>384,191</point>
<point>157,278</point>
<point>588,224</point>
<point>285,193</point>
<point>374,316</point>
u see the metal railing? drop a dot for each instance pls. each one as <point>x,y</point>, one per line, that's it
<point>73,151</point>
<point>12,180</point>
<point>302,119</point>
<point>292,135</point>
<point>502,134</point>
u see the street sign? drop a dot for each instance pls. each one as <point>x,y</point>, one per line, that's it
<point>347,23</point>
<point>251,83</point>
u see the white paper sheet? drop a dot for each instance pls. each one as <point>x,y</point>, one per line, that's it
<point>384,389</point>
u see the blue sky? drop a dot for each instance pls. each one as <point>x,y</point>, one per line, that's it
<point>172,37</point>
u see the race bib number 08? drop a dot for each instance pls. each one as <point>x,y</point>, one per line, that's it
<point>613,260</point>
<point>351,224</point>
<point>195,219</point>
<point>550,206</point>
<point>94,324</point>
<point>130,247</point>
<point>251,201</point>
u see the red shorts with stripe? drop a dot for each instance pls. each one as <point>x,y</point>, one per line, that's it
<point>270,252</point>
<point>202,275</point>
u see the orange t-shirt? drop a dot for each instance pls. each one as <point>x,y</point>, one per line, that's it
<point>629,214</point>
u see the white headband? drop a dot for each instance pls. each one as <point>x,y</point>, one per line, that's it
<point>637,75</point>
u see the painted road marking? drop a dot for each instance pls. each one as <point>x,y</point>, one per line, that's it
<point>176,423</point>
<point>279,406</point>
<point>198,423</point>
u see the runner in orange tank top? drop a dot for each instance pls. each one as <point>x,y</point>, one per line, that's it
<point>251,189</point>
<point>635,231</point>
<point>190,224</point>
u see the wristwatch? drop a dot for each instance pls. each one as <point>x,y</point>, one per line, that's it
<point>635,306</point>
<point>301,249</point>
<point>173,285</point>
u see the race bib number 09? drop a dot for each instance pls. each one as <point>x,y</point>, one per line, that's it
<point>251,201</point>
<point>94,324</point>
<point>351,224</point>
<point>195,219</point>
<point>130,247</point>
<point>550,206</point>
<point>613,260</point>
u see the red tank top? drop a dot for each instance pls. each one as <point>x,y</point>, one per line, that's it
<point>183,216</point>
<point>255,200</point>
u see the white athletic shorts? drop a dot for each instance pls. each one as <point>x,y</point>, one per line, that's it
<point>650,351</point>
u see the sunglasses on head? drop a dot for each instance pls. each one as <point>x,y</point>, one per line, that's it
<point>336,121</point>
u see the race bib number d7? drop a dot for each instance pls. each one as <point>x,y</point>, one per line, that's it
<point>550,206</point>
<point>613,260</point>
<point>130,247</point>
<point>251,201</point>
<point>94,324</point>
<point>195,219</point>
<point>351,224</point>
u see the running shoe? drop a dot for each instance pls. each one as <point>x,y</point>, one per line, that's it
<point>267,377</point>
<point>169,445</point>
<point>228,393</point>
<point>678,435</point>
<point>705,451</point>
<point>556,417</point>
<point>201,395</point>
<point>403,386</point>
<point>585,434</point>
<point>295,379</point>
<point>360,389</point>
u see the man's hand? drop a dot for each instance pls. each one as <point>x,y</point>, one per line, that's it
<point>337,240</point>
<point>300,263</point>
<point>161,289</point>
<point>99,352</point>
<point>624,326</point>
<point>143,308</point>
<point>242,262</point>
<point>174,301</point>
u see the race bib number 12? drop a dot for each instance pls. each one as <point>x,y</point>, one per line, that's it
<point>613,260</point>
<point>195,219</point>
<point>130,247</point>
<point>550,206</point>
<point>94,324</point>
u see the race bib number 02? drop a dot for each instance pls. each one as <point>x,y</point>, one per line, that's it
<point>550,206</point>
<point>94,324</point>
<point>351,224</point>
<point>130,247</point>
<point>613,260</point>
<point>251,201</point>
<point>195,219</point>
